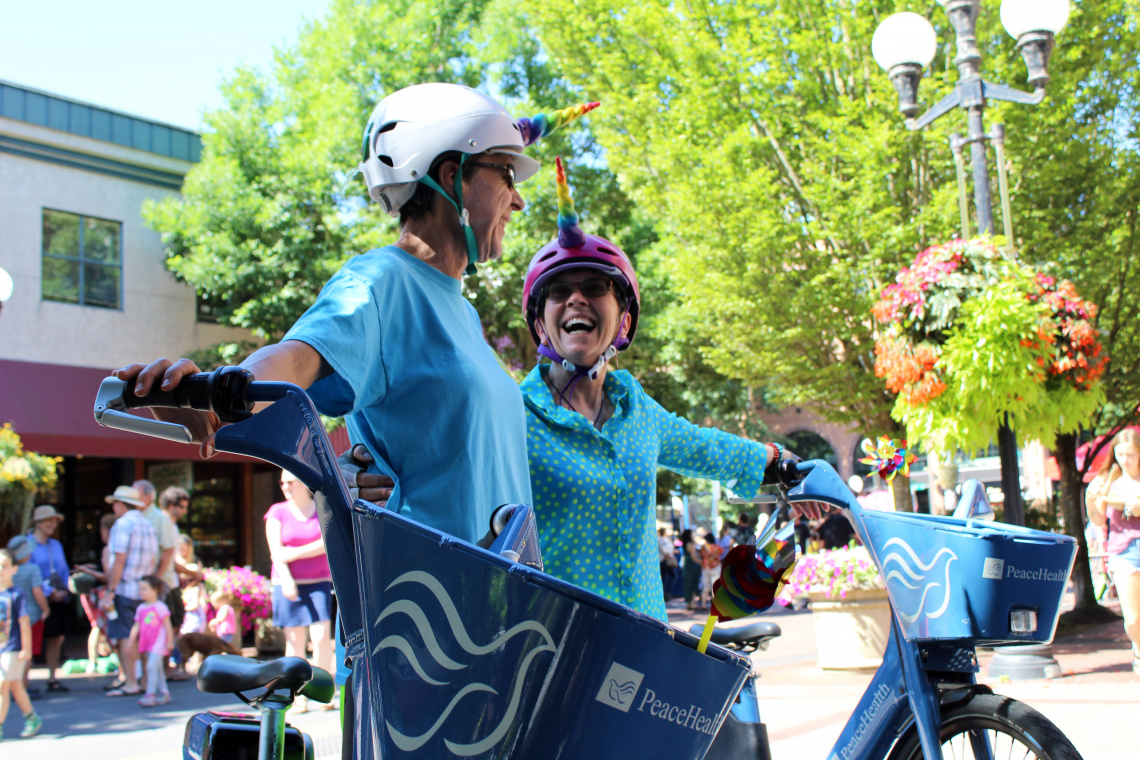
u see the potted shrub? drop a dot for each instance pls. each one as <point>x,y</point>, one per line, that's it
<point>849,606</point>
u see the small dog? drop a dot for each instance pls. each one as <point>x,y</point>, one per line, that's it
<point>205,644</point>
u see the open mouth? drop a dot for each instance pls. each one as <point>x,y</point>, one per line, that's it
<point>578,326</point>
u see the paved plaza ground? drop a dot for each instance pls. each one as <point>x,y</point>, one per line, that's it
<point>1094,703</point>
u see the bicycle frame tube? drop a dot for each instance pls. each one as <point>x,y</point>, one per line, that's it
<point>901,685</point>
<point>271,742</point>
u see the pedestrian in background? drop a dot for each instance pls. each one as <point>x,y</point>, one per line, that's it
<point>47,554</point>
<point>224,624</point>
<point>195,600</point>
<point>134,545</point>
<point>153,635</point>
<point>667,559</point>
<point>745,531</point>
<point>690,568</point>
<point>30,582</point>
<point>1113,502</point>
<point>15,648</point>
<point>167,534</point>
<point>95,601</point>
<point>302,580</point>
<point>710,568</point>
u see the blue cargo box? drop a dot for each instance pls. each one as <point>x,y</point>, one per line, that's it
<point>470,655</point>
<point>951,578</point>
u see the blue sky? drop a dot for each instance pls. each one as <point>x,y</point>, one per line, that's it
<point>159,59</point>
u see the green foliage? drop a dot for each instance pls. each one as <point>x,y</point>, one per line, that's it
<point>768,149</point>
<point>270,213</point>
<point>22,474</point>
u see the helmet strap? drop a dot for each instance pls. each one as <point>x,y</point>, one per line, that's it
<point>464,217</point>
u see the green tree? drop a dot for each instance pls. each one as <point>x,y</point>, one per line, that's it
<point>271,212</point>
<point>787,193</point>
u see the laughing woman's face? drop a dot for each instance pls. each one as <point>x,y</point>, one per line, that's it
<point>581,314</point>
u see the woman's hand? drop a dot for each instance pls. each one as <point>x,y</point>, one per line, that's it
<point>289,590</point>
<point>165,375</point>
<point>812,510</point>
<point>369,486</point>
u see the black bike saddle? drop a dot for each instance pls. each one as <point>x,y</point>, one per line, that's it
<point>740,636</point>
<point>227,673</point>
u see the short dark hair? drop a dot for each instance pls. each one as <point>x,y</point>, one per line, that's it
<point>155,583</point>
<point>173,495</point>
<point>420,204</point>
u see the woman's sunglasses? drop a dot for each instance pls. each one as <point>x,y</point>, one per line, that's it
<point>595,287</point>
<point>507,171</point>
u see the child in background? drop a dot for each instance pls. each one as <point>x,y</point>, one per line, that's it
<point>15,648</point>
<point>153,635</point>
<point>224,624</point>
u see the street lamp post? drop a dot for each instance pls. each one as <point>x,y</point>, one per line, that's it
<point>904,45</point>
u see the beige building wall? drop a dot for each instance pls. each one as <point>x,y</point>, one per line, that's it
<point>158,313</point>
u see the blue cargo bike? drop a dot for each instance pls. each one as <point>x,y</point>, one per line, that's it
<point>460,651</point>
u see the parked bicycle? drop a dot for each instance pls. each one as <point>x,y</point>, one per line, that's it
<point>460,651</point>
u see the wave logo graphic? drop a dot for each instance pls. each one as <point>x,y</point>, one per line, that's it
<point>619,687</point>
<point>905,569</point>
<point>431,644</point>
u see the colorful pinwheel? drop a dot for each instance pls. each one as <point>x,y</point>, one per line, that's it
<point>888,457</point>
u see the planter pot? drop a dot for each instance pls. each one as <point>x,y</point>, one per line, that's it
<point>269,639</point>
<point>851,633</point>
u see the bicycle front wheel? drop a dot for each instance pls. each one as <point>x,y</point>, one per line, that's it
<point>992,726</point>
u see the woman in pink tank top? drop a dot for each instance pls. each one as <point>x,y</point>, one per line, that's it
<point>1113,500</point>
<point>302,582</point>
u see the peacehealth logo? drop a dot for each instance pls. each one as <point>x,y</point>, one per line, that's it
<point>619,690</point>
<point>996,569</point>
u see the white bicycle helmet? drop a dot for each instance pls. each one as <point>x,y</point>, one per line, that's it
<point>412,127</point>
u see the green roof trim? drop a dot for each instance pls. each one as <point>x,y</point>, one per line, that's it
<point>63,115</point>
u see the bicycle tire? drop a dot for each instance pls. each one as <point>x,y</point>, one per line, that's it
<point>1006,722</point>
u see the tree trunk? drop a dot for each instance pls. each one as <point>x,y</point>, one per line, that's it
<point>1065,451</point>
<point>943,469</point>
<point>900,489</point>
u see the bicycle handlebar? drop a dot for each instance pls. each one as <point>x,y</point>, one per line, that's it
<point>228,392</point>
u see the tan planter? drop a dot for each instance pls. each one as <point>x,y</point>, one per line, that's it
<point>851,633</point>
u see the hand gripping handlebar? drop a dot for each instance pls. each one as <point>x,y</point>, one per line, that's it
<point>225,392</point>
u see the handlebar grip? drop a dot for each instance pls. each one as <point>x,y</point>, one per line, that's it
<point>225,392</point>
<point>193,392</point>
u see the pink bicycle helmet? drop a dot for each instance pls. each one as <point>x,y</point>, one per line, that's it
<point>573,249</point>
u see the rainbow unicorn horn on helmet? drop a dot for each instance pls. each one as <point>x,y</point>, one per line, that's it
<point>570,235</point>
<point>542,124</point>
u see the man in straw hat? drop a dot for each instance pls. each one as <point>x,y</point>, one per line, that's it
<point>134,545</point>
<point>47,554</point>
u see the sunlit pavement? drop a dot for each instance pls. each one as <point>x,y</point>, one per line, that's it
<point>84,724</point>
<point>1095,703</point>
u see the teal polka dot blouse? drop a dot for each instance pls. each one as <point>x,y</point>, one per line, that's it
<point>595,490</point>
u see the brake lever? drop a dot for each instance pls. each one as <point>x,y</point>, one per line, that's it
<point>111,411</point>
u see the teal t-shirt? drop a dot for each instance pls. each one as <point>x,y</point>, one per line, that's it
<point>419,386</point>
<point>595,491</point>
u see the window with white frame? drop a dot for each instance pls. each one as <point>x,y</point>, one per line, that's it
<point>82,260</point>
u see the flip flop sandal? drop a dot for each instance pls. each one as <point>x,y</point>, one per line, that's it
<point>114,685</point>
<point>56,686</point>
<point>122,693</point>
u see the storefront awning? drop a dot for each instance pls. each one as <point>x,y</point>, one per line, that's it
<point>51,407</point>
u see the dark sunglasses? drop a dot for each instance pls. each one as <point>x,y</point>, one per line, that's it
<point>595,287</point>
<point>507,171</point>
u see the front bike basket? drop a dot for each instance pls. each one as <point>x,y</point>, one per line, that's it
<point>460,652</point>
<point>469,654</point>
<point>950,578</point>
